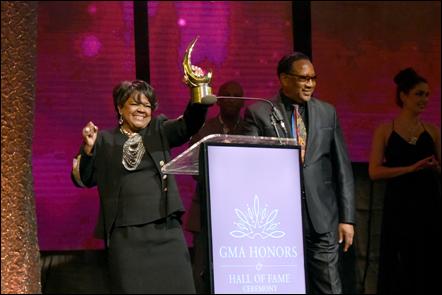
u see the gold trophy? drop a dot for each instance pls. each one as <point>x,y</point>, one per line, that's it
<point>194,77</point>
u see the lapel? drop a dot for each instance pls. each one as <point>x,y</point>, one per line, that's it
<point>312,122</point>
<point>287,121</point>
<point>312,127</point>
<point>116,156</point>
<point>152,143</point>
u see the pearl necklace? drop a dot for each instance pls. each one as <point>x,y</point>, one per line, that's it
<point>133,150</point>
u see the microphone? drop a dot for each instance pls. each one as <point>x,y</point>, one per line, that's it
<point>208,99</point>
<point>275,116</point>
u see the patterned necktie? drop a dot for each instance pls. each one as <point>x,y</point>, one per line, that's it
<point>301,132</point>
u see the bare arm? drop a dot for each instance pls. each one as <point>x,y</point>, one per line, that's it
<point>438,145</point>
<point>435,133</point>
<point>376,168</point>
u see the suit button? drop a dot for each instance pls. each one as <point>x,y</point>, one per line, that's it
<point>165,176</point>
<point>165,189</point>
<point>161,163</point>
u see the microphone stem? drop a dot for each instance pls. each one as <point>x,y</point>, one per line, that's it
<point>275,116</point>
<point>273,121</point>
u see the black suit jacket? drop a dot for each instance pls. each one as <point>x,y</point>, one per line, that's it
<point>104,169</point>
<point>327,172</point>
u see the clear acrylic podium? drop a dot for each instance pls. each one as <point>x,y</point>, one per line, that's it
<point>187,163</point>
<point>252,201</point>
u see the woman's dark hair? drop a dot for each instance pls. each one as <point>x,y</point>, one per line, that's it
<point>125,89</point>
<point>406,80</point>
<point>285,63</point>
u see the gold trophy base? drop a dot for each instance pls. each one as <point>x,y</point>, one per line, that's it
<point>202,94</point>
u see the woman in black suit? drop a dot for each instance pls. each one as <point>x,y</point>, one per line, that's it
<point>140,207</point>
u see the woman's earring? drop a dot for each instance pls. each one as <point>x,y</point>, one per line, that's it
<point>120,121</point>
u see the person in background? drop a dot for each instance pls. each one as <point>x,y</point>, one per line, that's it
<point>406,152</point>
<point>228,121</point>
<point>140,207</point>
<point>328,186</point>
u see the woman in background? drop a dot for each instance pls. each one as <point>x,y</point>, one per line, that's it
<point>407,152</point>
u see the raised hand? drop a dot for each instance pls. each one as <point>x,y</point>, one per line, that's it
<point>89,133</point>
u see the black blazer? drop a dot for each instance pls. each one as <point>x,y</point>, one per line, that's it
<point>104,168</point>
<point>327,172</point>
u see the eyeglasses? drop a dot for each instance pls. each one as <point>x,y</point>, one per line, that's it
<point>303,79</point>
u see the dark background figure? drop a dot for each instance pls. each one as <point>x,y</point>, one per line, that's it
<point>140,207</point>
<point>407,152</point>
<point>328,186</point>
<point>228,121</point>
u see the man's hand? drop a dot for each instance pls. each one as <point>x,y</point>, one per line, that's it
<point>346,233</point>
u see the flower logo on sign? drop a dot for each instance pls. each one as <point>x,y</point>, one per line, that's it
<point>257,222</point>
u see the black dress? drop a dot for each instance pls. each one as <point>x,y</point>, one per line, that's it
<point>410,252</point>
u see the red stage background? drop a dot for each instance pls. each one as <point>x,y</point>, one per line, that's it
<point>87,47</point>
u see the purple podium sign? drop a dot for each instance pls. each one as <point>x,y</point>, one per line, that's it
<point>255,219</point>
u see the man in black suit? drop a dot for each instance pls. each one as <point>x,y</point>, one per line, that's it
<point>328,186</point>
